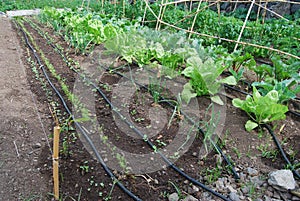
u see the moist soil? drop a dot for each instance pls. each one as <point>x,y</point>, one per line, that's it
<point>29,172</point>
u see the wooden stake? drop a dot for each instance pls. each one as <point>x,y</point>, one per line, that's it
<point>159,15</point>
<point>195,17</point>
<point>243,27</point>
<point>55,162</point>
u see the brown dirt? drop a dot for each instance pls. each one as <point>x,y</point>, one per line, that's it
<point>22,136</point>
<point>81,175</point>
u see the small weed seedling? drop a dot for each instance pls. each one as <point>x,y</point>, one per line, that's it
<point>85,167</point>
<point>266,152</point>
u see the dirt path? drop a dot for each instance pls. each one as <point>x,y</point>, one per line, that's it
<point>21,132</point>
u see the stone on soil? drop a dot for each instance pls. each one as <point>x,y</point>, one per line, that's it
<point>173,197</point>
<point>234,197</point>
<point>252,171</point>
<point>282,180</point>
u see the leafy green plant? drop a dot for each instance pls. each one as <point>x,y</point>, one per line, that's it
<point>266,152</point>
<point>204,78</point>
<point>261,109</point>
<point>178,190</point>
<point>85,167</point>
<point>287,89</point>
<point>279,70</point>
<point>212,174</point>
<point>237,63</point>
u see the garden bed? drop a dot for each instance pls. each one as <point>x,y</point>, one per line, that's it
<point>82,176</point>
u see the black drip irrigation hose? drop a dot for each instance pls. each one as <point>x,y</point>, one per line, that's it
<point>169,163</point>
<point>238,90</point>
<point>191,179</point>
<point>219,150</point>
<point>107,170</point>
<point>281,150</point>
<point>273,135</point>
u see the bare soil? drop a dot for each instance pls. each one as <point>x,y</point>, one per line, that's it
<point>22,135</point>
<point>25,163</point>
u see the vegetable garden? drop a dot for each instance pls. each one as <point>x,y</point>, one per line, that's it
<point>138,77</point>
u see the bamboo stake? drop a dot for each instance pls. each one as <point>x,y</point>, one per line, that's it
<point>191,5</point>
<point>123,8</point>
<point>258,11</point>
<point>235,6</point>
<point>144,16</point>
<point>159,16</point>
<point>264,13</point>
<point>82,3</point>
<point>194,20</point>
<point>88,5</point>
<point>243,27</point>
<point>162,15</point>
<point>55,162</point>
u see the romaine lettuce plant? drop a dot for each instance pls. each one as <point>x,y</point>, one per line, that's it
<point>204,77</point>
<point>261,109</point>
<point>287,89</point>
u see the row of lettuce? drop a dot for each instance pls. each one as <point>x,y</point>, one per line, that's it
<point>176,55</point>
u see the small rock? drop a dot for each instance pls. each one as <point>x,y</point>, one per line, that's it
<point>231,189</point>
<point>268,193</point>
<point>256,180</point>
<point>37,145</point>
<point>295,198</point>
<point>193,189</point>
<point>190,198</point>
<point>282,180</point>
<point>220,183</point>
<point>276,195</point>
<point>234,197</point>
<point>173,197</point>
<point>195,154</point>
<point>242,177</point>
<point>267,198</point>
<point>206,195</point>
<point>252,171</point>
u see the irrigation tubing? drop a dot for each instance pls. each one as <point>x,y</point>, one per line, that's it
<point>191,179</point>
<point>281,150</point>
<point>169,163</point>
<point>219,150</point>
<point>107,170</point>
<point>274,137</point>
